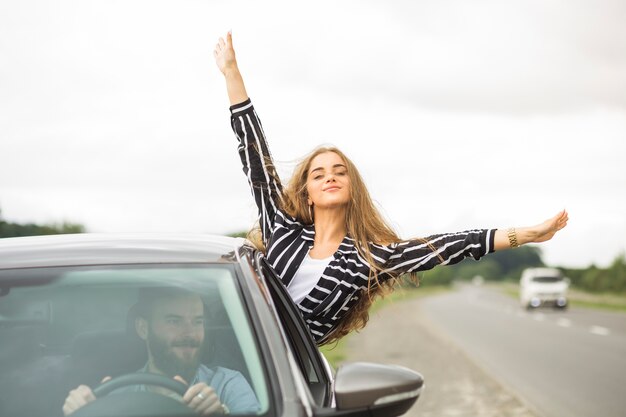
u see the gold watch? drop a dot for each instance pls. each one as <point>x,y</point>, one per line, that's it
<point>513,238</point>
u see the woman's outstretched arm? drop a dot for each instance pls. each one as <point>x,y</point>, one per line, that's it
<point>226,61</point>
<point>450,248</point>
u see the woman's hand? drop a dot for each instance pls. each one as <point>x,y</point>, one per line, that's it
<point>225,54</point>
<point>227,63</point>
<point>534,234</point>
<point>543,231</point>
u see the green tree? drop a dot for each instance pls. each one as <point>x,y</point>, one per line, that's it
<point>513,262</point>
<point>595,279</point>
<point>617,274</point>
<point>10,229</point>
<point>238,234</point>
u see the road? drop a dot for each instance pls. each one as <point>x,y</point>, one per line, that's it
<point>559,363</point>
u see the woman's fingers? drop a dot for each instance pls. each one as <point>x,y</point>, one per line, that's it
<point>563,217</point>
<point>559,219</point>
<point>547,229</point>
<point>221,46</point>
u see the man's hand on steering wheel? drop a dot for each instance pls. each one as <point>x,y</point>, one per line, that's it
<point>202,399</point>
<point>79,397</point>
<point>199,397</point>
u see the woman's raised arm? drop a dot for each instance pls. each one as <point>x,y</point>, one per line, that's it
<point>253,150</point>
<point>227,63</point>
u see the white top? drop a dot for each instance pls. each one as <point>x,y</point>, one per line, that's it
<point>306,277</point>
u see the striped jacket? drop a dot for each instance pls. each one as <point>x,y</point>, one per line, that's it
<point>288,241</point>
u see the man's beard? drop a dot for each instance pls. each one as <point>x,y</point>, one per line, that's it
<point>169,363</point>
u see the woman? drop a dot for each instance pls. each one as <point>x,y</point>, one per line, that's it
<point>324,237</point>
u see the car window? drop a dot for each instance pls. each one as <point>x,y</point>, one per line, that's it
<point>547,279</point>
<point>63,327</point>
<point>301,342</point>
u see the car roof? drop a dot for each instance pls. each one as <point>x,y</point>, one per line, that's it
<point>106,249</point>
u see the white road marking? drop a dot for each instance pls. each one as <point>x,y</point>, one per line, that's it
<point>599,330</point>
<point>564,322</point>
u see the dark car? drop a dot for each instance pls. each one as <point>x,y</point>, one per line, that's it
<point>68,314</point>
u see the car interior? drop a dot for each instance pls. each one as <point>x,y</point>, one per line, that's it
<point>54,339</point>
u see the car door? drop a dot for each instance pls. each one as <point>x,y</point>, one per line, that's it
<point>312,364</point>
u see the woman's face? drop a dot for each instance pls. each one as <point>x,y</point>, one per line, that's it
<point>328,183</point>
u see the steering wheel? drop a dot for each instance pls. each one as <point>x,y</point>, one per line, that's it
<point>142,403</point>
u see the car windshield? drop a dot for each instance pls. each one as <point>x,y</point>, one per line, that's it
<point>65,327</point>
<point>547,279</point>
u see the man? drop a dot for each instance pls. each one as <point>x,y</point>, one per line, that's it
<point>171,323</point>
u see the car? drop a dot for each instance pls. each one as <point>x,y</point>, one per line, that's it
<point>543,287</point>
<point>68,316</point>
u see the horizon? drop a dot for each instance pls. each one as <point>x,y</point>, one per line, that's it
<point>459,116</point>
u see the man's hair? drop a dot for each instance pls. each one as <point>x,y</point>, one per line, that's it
<point>148,297</point>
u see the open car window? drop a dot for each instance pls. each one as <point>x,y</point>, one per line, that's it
<point>63,327</point>
<point>307,355</point>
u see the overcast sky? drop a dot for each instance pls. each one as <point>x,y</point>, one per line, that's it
<point>459,114</point>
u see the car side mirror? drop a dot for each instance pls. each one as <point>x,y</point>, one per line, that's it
<point>380,390</point>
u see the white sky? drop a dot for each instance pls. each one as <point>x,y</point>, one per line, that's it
<point>459,114</point>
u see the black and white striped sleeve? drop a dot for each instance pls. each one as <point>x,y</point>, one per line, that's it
<point>441,249</point>
<point>257,164</point>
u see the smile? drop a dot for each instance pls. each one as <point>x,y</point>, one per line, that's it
<point>186,349</point>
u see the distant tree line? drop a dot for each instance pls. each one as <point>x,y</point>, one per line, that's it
<point>10,229</point>
<point>611,279</point>
<point>238,234</point>
<point>508,266</point>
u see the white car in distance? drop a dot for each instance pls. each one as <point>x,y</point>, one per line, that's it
<point>543,287</point>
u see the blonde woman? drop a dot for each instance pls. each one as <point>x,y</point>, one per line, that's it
<point>322,234</point>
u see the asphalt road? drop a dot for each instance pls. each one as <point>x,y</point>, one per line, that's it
<point>559,363</point>
<point>455,386</point>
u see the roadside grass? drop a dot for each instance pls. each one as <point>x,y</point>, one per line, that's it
<point>336,353</point>
<point>577,298</point>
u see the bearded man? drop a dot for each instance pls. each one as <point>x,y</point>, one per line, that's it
<point>171,322</point>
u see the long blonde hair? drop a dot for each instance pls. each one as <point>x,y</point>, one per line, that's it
<point>364,224</point>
